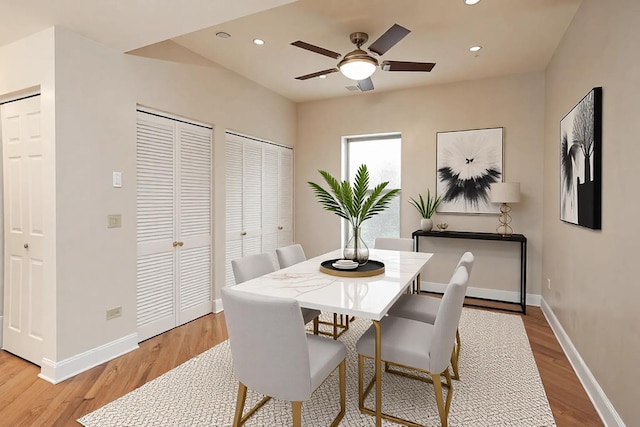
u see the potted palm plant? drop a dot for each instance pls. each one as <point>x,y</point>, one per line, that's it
<point>426,209</point>
<point>353,204</point>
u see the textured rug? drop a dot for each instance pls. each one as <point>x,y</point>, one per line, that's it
<point>499,386</point>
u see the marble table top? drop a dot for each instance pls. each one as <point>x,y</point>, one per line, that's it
<point>364,297</point>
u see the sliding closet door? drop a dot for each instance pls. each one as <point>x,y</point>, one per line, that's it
<point>173,223</point>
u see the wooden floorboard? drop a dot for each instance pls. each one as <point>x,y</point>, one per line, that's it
<point>26,400</point>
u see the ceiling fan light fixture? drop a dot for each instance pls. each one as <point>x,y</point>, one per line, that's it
<point>471,2</point>
<point>357,65</point>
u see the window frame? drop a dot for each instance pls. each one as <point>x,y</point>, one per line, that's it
<point>345,171</point>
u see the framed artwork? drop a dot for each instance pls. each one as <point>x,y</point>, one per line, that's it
<point>581,162</point>
<point>468,162</point>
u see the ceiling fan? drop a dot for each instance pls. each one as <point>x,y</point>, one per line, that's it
<point>359,65</point>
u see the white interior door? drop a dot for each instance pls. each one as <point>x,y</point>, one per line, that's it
<point>270,166</point>
<point>23,228</point>
<point>285,197</point>
<point>173,223</point>
<point>233,211</point>
<point>252,198</point>
<point>194,255</point>
<point>155,225</point>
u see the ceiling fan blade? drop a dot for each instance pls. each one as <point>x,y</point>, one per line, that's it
<point>316,49</point>
<point>407,66</point>
<point>317,74</point>
<point>388,39</point>
<point>365,85</point>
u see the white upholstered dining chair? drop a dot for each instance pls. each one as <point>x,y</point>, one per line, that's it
<point>425,308</point>
<point>252,266</point>
<point>419,346</point>
<point>394,243</point>
<point>290,255</point>
<point>293,254</point>
<point>288,365</point>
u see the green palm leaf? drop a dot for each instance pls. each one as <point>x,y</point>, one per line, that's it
<point>350,201</point>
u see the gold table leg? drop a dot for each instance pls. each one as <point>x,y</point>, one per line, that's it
<point>378,374</point>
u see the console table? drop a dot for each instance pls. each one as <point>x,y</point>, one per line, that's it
<point>486,236</point>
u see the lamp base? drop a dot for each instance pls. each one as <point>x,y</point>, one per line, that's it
<point>504,229</point>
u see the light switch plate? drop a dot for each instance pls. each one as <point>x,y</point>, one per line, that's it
<point>117,179</point>
<point>114,221</point>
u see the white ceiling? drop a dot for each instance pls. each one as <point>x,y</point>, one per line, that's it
<point>517,35</point>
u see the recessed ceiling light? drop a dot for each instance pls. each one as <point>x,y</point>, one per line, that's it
<point>223,35</point>
<point>475,48</point>
<point>324,76</point>
<point>259,42</point>
<point>470,2</point>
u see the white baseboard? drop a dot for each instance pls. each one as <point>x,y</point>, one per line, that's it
<point>603,405</point>
<point>493,294</point>
<point>56,372</point>
<point>217,305</point>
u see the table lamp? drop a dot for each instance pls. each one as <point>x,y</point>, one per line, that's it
<point>505,193</point>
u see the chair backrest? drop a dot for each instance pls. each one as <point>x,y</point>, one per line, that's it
<point>447,319</point>
<point>394,243</point>
<point>268,344</point>
<point>467,260</point>
<point>251,266</point>
<point>289,255</point>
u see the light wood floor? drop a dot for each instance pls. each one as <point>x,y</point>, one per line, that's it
<point>26,400</point>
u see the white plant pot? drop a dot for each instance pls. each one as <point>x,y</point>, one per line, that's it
<point>426,224</point>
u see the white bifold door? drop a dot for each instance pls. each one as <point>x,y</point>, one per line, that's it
<point>23,228</point>
<point>259,196</point>
<point>173,197</point>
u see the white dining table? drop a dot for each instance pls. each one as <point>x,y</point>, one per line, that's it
<point>363,297</point>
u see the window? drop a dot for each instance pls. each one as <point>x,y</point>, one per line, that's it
<point>381,154</point>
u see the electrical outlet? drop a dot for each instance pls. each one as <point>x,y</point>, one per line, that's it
<point>114,221</point>
<point>548,283</point>
<point>114,312</point>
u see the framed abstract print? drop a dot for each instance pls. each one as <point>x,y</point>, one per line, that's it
<point>468,162</point>
<point>581,162</point>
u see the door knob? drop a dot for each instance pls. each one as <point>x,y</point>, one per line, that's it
<point>244,233</point>
<point>280,228</point>
<point>180,243</point>
<point>26,246</point>
<point>175,244</point>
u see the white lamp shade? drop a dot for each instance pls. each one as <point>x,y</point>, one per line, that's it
<point>505,192</point>
<point>357,70</point>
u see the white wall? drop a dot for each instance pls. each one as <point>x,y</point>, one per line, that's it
<point>595,291</point>
<point>95,134</point>
<point>513,102</point>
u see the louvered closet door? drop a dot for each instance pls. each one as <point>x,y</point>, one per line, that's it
<point>285,197</point>
<point>270,220</point>
<point>252,198</point>
<point>173,223</point>
<point>233,212</point>
<point>194,222</point>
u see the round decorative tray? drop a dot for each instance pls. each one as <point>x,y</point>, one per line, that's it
<point>371,268</point>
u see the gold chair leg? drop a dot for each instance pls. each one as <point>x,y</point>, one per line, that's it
<point>443,410</point>
<point>316,325</point>
<point>343,393</point>
<point>335,326</point>
<point>297,413</point>
<point>240,401</point>
<point>455,356</point>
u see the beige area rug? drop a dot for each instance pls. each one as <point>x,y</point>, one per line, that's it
<point>499,386</point>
